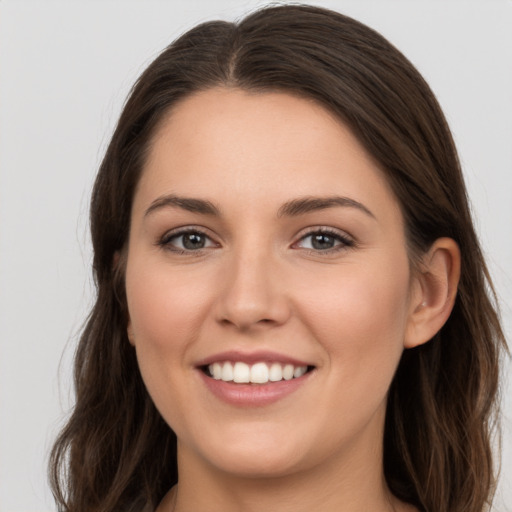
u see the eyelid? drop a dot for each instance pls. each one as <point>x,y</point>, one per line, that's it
<point>346,240</point>
<point>164,240</point>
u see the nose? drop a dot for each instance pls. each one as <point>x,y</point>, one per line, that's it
<point>252,295</point>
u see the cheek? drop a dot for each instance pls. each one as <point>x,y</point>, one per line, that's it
<point>360,318</point>
<point>165,307</point>
<point>166,312</point>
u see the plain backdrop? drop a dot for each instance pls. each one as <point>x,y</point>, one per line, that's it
<point>65,70</point>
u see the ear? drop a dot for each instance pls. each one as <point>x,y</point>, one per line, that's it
<point>115,259</point>
<point>118,261</point>
<point>433,292</point>
<point>129,331</point>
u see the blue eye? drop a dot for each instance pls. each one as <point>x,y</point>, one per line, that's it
<point>185,241</point>
<point>324,240</point>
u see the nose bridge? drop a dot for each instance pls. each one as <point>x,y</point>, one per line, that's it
<point>251,293</point>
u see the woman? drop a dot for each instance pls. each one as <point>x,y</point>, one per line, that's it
<point>292,307</point>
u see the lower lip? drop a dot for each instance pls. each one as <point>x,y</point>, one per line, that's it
<point>253,395</point>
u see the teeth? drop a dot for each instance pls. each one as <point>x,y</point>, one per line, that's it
<point>241,373</point>
<point>258,373</point>
<point>299,371</point>
<point>275,373</point>
<point>227,372</point>
<point>216,371</point>
<point>288,372</point>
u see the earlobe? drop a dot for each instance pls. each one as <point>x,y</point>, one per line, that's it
<point>434,292</point>
<point>129,332</point>
<point>115,259</point>
<point>118,266</point>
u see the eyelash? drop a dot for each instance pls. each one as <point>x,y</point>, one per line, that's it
<point>165,241</point>
<point>345,241</point>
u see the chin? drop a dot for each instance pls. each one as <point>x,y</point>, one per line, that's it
<point>254,453</point>
<point>259,465</point>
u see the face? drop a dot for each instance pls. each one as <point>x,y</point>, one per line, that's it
<point>265,242</point>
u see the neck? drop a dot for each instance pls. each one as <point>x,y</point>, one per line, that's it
<point>298,493</point>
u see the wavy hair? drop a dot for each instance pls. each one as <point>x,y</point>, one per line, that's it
<point>116,453</point>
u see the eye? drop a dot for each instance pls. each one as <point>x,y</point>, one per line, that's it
<point>189,240</point>
<point>325,240</point>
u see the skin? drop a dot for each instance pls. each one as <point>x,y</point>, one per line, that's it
<point>259,284</point>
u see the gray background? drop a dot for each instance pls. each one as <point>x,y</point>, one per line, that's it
<point>66,68</point>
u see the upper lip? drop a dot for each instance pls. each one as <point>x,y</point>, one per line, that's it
<point>251,358</point>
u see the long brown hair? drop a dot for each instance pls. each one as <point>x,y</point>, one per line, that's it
<point>115,452</point>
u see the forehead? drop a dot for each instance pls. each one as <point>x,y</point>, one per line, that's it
<point>258,148</point>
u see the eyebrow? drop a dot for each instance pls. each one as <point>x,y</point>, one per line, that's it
<point>291,208</point>
<point>309,204</point>
<point>185,203</point>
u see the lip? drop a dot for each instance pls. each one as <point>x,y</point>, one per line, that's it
<point>253,395</point>
<point>260,356</point>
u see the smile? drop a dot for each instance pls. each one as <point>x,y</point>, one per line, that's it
<point>257,373</point>
<point>253,380</point>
